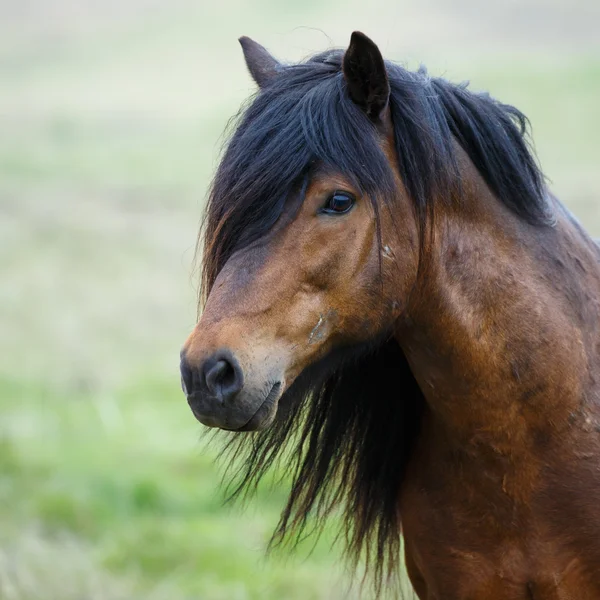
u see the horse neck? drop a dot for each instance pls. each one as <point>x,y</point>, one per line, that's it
<point>502,333</point>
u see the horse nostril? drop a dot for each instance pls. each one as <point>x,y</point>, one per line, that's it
<point>187,377</point>
<point>219,375</point>
<point>223,377</point>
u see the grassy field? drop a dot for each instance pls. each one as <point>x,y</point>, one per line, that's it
<point>110,122</point>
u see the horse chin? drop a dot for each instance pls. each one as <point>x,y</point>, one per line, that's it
<point>261,420</point>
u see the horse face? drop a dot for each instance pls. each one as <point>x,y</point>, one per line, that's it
<point>334,272</point>
<point>325,280</point>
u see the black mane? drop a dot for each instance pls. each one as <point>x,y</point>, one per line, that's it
<point>347,432</point>
<point>304,116</point>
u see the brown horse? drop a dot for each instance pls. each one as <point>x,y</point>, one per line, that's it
<point>392,294</point>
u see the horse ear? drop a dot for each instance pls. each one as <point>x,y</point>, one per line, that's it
<point>366,77</point>
<point>262,66</point>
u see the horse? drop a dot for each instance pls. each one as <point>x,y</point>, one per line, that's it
<point>407,321</point>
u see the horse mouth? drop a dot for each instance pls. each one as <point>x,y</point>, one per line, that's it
<point>259,419</point>
<point>265,413</point>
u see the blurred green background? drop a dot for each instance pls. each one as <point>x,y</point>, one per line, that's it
<point>111,115</point>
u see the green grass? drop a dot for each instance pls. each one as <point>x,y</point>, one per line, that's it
<point>126,478</point>
<point>110,124</point>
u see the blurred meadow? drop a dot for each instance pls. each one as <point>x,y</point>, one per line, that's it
<point>111,121</point>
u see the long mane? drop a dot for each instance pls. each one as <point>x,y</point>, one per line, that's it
<point>346,427</point>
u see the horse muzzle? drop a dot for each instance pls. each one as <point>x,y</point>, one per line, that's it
<point>221,395</point>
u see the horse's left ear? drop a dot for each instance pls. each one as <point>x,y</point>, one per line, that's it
<point>366,77</point>
<point>261,64</point>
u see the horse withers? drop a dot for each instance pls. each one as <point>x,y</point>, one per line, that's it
<point>391,290</point>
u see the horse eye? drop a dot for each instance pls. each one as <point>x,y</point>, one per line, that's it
<point>339,203</point>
